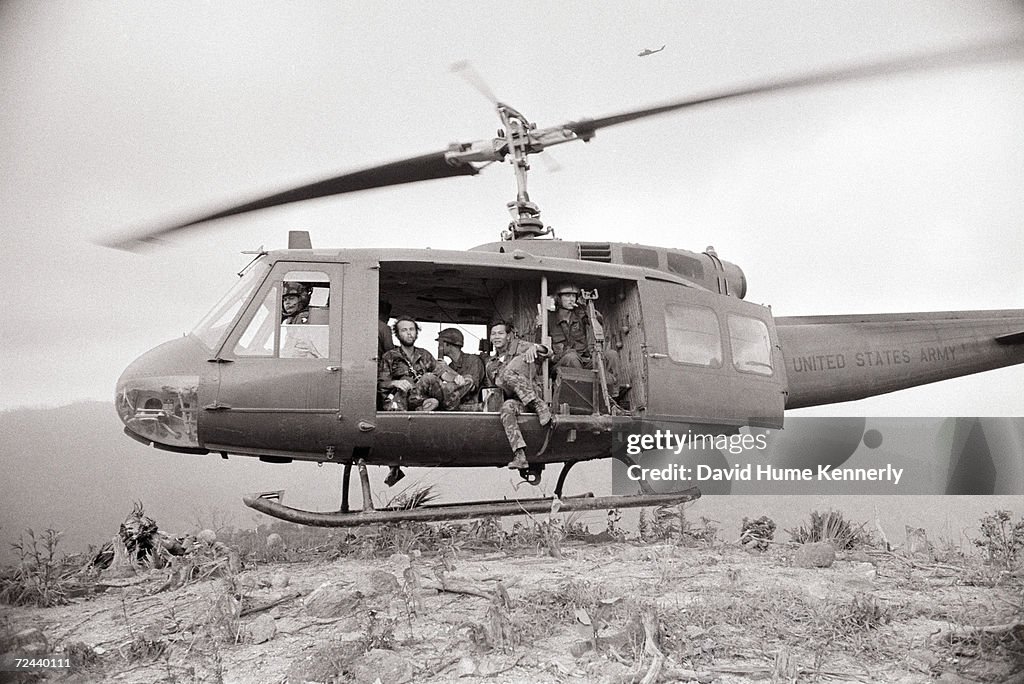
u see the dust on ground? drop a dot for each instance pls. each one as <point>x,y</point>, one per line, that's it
<point>601,612</point>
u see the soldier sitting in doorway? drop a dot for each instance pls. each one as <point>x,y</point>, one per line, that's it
<point>572,336</point>
<point>512,368</point>
<point>463,375</point>
<point>406,375</point>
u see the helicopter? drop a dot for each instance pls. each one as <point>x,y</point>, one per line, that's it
<point>694,354</point>
<point>647,51</point>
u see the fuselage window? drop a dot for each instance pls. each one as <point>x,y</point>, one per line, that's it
<point>693,335</point>
<point>751,345</point>
<point>636,256</point>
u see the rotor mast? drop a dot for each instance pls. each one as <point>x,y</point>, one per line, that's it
<point>526,222</point>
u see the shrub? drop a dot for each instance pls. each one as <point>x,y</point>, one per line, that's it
<point>758,532</point>
<point>1002,539</point>
<point>40,577</point>
<point>832,527</point>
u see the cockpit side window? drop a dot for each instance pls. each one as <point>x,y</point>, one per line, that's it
<point>258,338</point>
<point>211,329</point>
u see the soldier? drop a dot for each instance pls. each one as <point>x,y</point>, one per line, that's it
<point>511,369</point>
<point>406,375</point>
<point>572,338</point>
<point>467,369</point>
<point>295,304</point>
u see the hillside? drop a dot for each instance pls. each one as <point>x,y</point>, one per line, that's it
<point>532,608</point>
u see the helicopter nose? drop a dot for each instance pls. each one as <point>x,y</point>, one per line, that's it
<point>157,396</point>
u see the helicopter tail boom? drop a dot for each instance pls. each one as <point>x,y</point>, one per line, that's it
<point>831,359</point>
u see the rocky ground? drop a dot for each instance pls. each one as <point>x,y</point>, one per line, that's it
<point>604,611</point>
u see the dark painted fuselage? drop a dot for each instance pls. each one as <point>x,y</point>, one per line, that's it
<point>693,353</point>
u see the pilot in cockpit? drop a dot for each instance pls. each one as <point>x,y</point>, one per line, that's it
<point>295,304</point>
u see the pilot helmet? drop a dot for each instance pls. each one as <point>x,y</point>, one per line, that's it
<point>452,336</point>
<point>293,289</point>
<point>567,287</point>
<point>297,289</point>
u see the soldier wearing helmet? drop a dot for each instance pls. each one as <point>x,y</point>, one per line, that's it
<point>295,304</point>
<point>463,375</point>
<point>572,336</point>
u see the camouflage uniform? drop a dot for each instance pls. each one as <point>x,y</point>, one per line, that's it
<point>420,370</point>
<point>512,374</point>
<point>470,367</point>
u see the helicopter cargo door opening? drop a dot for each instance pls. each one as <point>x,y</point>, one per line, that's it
<point>711,359</point>
<point>282,370</point>
<point>453,307</point>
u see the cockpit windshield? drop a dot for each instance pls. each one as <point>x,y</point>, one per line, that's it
<point>211,329</point>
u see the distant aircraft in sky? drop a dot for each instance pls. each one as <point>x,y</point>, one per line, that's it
<point>648,51</point>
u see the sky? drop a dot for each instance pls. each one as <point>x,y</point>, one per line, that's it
<point>895,194</point>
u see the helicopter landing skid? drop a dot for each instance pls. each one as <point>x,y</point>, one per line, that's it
<point>270,504</point>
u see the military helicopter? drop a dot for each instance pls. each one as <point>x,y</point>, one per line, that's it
<point>693,353</point>
<point>647,51</point>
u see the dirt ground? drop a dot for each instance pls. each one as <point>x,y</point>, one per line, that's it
<point>603,612</point>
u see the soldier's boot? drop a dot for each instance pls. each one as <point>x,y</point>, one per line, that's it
<point>519,462</point>
<point>429,404</point>
<point>394,475</point>
<point>543,412</point>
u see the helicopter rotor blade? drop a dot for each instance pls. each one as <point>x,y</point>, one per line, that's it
<point>584,129</point>
<point>425,167</point>
<point>466,70</point>
<point>460,159</point>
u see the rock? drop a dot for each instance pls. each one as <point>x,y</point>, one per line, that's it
<point>387,667</point>
<point>262,629</point>
<point>467,667</point>
<point>490,665</point>
<point>274,541</point>
<point>331,600</point>
<point>334,599</point>
<point>378,583</point>
<point>279,581</point>
<point>208,536</point>
<point>326,663</point>
<point>816,555</point>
